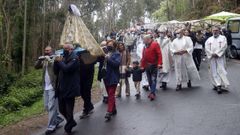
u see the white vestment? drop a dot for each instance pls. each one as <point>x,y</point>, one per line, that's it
<point>145,79</point>
<point>164,74</point>
<point>140,47</point>
<point>185,68</point>
<point>218,72</point>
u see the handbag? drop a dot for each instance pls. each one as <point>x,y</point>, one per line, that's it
<point>128,74</point>
<point>104,70</point>
<point>127,71</point>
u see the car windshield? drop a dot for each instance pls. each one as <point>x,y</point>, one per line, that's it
<point>234,25</point>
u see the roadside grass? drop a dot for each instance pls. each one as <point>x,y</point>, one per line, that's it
<point>24,113</point>
<point>31,111</point>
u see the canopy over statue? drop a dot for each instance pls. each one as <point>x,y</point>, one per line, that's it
<point>76,32</point>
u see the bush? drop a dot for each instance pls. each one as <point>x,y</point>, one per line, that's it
<point>31,80</point>
<point>2,110</point>
<point>24,92</point>
<point>6,79</point>
<point>18,98</point>
<point>11,103</point>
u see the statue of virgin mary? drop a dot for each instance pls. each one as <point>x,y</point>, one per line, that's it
<point>77,33</point>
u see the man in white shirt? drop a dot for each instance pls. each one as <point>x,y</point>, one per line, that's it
<point>164,72</point>
<point>185,69</point>
<point>215,48</point>
<point>50,102</point>
<point>128,41</point>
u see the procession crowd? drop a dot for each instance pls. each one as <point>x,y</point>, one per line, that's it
<point>158,52</point>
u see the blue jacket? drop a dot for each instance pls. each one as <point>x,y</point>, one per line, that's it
<point>68,85</point>
<point>113,73</point>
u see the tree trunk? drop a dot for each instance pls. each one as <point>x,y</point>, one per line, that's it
<point>24,38</point>
<point>193,3</point>
<point>2,39</point>
<point>168,11</point>
<point>43,25</point>
<point>7,51</point>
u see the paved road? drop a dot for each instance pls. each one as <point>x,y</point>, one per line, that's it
<point>196,111</point>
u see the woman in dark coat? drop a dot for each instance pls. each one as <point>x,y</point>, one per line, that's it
<point>111,79</point>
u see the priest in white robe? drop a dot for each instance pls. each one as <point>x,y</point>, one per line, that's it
<point>164,72</point>
<point>185,69</point>
<point>215,48</point>
<point>140,47</point>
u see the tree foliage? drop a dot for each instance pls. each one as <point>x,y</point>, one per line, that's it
<point>193,9</point>
<point>45,20</point>
<point>162,13</point>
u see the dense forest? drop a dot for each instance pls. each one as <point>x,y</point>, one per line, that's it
<point>44,21</point>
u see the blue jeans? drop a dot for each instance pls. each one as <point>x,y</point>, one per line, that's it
<point>51,106</point>
<point>152,72</point>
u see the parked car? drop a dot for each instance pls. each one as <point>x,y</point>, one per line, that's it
<point>233,24</point>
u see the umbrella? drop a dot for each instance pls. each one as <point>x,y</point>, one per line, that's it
<point>221,16</point>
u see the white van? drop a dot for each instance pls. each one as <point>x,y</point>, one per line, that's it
<point>233,24</point>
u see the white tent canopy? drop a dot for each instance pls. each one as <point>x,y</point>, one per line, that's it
<point>223,13</point>
<point>150,25</point>
<point>221,16</point>
<point>173,21</point>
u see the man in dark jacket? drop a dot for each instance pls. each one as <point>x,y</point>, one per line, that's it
<point>67,88</point>
<point>227,34</point>
<point>197,49</point>
<point>86,81</point>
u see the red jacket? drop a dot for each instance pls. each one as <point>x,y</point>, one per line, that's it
<point>151,55</point>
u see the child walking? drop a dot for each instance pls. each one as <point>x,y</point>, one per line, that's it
<point>136,72</point>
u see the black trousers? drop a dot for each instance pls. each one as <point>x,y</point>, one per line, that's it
<point>66,107</point>
<point>130,48</point>
<point>197,57</point>
<point>86,81</point>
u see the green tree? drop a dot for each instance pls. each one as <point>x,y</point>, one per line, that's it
<point>162,13</point>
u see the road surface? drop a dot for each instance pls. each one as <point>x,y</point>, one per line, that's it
<point>195,111</point>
